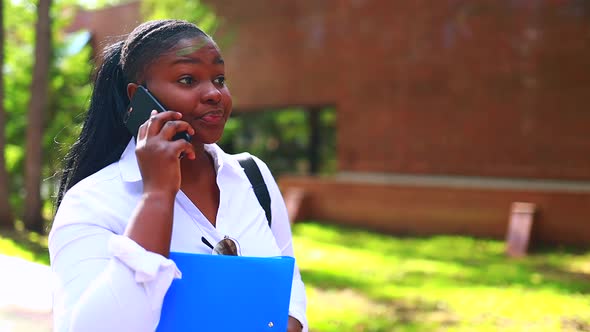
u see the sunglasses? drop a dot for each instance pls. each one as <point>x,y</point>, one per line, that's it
<point>227,246</point>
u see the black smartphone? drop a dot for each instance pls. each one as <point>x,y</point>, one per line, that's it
<point>140,108</point>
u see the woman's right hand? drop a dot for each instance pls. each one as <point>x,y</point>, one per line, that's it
<point>158,155</point>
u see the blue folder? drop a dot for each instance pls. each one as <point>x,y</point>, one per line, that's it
<point>228,293</point>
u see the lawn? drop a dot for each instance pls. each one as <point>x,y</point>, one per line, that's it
<point>362,281</point>
<point>19,243</point>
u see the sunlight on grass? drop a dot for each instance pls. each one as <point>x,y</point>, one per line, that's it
<point>9,247</point>
<point>366,282</point>
<point>360,281</point>
<point>581,265</point>
<point>27,245</point>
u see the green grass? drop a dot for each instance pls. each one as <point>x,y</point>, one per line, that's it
<point>28,245</point>
<point>362,281</point>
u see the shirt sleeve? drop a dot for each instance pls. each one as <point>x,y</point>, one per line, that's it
<point>281,229</point>
<point>104,281</point>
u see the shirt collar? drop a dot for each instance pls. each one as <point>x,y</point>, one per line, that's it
<point>222,161</point>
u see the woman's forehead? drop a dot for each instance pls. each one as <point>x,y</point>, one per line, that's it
<point>199,50</point>
<point>188,46</point>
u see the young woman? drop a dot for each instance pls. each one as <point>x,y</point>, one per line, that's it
<point>123,206</point>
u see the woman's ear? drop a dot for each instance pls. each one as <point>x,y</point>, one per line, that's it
<point>131,88</point>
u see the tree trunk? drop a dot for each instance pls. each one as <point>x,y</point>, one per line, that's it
<point>39,94</point>
<point>6,220</point>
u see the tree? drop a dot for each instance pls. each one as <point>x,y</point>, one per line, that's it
<point>6,216</point>
<point>193,11</point>
<point>38,103</point>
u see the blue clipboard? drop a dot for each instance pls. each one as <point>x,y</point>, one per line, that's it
<point>228,293</point>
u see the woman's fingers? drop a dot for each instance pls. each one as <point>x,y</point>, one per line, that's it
<point>166,124</point>
<point>171,128</point>
<point>142,132</point>
<point>183,149</point>
<point>157,120</point>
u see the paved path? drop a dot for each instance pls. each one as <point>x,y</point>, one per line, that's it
<point>25,296</point>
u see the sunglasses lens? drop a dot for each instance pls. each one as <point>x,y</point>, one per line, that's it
<point>226,247</point>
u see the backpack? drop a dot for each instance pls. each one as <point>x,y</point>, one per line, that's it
<point>255,177</point>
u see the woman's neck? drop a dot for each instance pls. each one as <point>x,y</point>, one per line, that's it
<point>194,170</point>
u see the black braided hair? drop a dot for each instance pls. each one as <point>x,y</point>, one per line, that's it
<point>104,136</point>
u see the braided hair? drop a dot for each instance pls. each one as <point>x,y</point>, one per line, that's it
<point>104,136</point>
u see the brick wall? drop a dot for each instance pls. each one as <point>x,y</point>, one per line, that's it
<point>486,88</point>
<point>489,88</point>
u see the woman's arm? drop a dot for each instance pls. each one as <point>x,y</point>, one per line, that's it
<point>120,288</point>
<point>98,291</point>
<point>158,158</point>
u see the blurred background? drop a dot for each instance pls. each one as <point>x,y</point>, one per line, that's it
<point>417,143</point>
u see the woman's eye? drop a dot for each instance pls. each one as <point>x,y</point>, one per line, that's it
<point>219,81</point>
<point>186,80</point>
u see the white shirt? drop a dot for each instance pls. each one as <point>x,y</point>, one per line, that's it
<point>107,282</point>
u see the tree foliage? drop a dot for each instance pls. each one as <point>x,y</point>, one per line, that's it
<point>69,84</point>
<point>279,138</point>
<point>69,91</point>
<point>193,11</point>
<point>282,139</point>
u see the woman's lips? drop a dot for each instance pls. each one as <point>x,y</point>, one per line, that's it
<point>212,118</point>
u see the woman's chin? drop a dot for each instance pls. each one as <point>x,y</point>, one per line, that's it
<point>206,139</point>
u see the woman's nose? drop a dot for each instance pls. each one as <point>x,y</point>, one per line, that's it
<point>211,95</point>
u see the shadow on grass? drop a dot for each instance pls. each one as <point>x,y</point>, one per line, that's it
<point>474,262</point>
<point>29,242</point>
<point>376,282</point>
<point>395,314</point>
<point>327,280</point>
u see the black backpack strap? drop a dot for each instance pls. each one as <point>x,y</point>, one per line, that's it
<point>258,184</point>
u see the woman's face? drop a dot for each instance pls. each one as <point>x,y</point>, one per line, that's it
<point>190,79</point>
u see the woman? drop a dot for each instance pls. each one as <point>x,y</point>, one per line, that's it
<point>118,200</point>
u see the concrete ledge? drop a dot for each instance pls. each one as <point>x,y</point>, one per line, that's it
<point>453,181</point>
<point>423,208</point>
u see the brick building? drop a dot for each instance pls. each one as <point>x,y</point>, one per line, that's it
<point>447,111</point>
